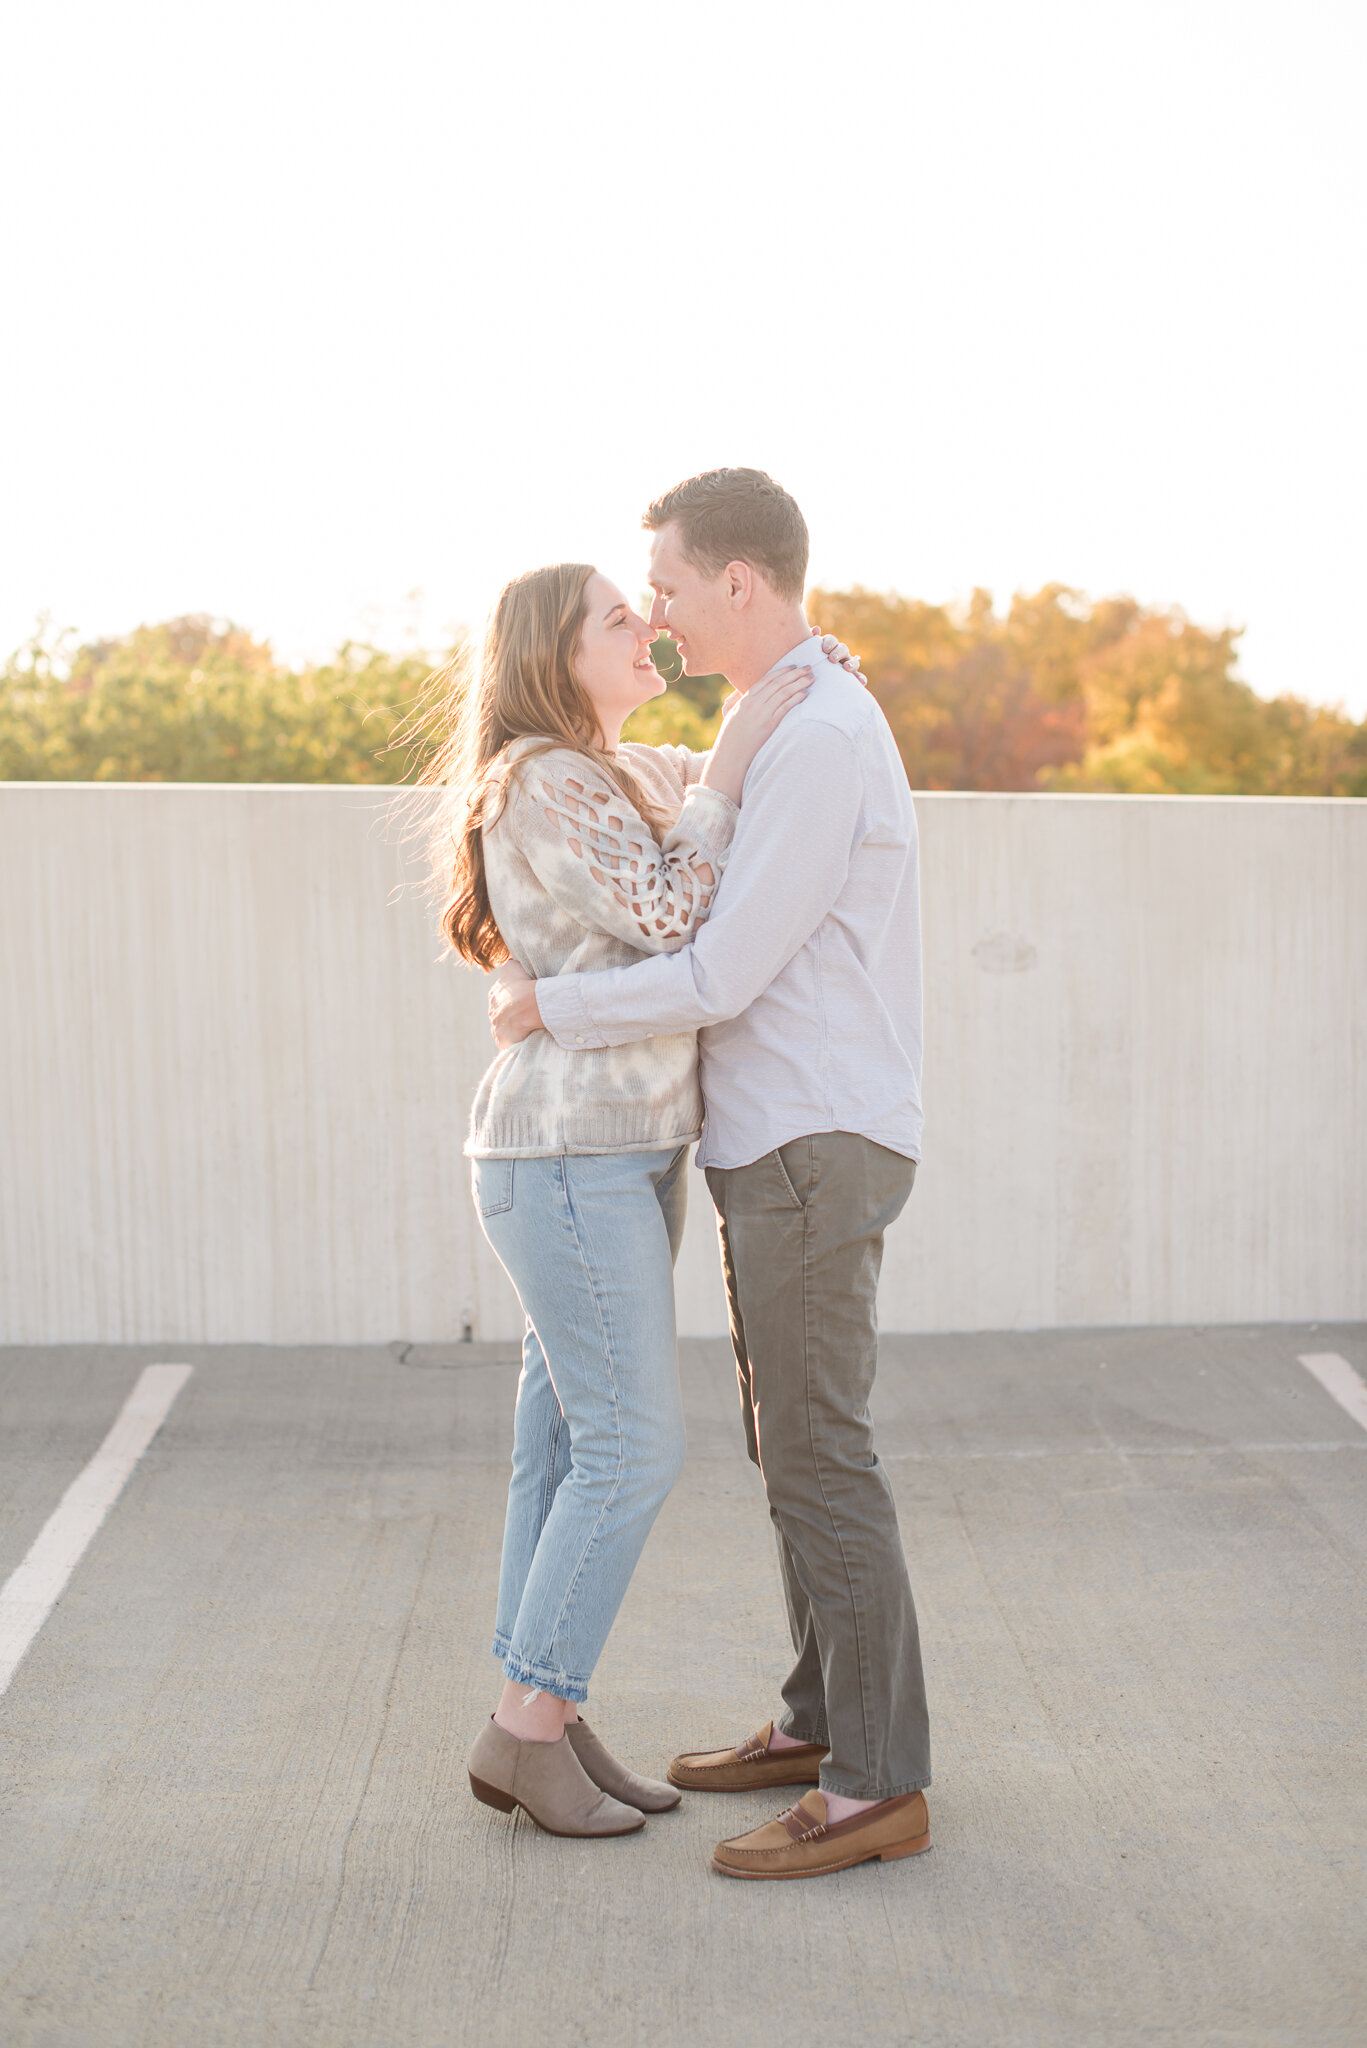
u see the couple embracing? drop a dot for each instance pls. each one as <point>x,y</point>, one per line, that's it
<point>726,946</point>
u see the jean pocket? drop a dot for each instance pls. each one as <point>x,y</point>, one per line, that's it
<point>492,1181</point>
<point>786,1180</point>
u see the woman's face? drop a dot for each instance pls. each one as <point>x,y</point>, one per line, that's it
<point>613,661</point>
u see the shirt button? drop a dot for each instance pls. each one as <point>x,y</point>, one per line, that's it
<point>579,1038</point>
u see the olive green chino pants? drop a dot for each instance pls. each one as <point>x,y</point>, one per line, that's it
<point>802,1243</point>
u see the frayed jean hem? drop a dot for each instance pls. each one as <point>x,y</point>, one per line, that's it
<point>539,1677</point>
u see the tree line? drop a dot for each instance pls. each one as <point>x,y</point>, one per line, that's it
<point>1058,692</point>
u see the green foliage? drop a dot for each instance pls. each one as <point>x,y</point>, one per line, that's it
<point>196,700</point>
<point>689,712</point>
<point>1058,693</point>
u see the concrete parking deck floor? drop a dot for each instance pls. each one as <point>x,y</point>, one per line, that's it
<point>234,1804</point>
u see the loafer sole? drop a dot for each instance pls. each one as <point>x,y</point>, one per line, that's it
<point>915,1847</point>
<point>721,1780</point>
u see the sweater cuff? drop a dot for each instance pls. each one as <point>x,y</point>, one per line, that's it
<point>565,1014</point>
<point>708,819</point>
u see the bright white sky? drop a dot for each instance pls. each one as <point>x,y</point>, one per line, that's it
<point>315,306</point>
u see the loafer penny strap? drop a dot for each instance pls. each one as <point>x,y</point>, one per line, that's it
<point>801,1825</point>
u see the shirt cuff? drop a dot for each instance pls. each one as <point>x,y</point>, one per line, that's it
<point>565,1014</point>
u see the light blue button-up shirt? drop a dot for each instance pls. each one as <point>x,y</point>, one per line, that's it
<point>805,983</point>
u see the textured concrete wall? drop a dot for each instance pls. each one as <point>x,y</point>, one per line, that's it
<point>234,1074</point>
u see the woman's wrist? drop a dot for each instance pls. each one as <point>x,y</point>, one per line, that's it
<point>727,784</point>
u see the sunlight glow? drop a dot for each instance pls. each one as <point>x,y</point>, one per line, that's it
<point>315,308</point>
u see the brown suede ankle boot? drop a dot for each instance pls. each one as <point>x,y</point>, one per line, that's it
<point>547,1780</point>
<point>602,1766</point>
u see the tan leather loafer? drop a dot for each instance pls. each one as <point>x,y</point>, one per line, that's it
<point>801,1843</point>
<point>750,1766</point>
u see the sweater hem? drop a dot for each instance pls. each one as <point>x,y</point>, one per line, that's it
<point>475,1149</point>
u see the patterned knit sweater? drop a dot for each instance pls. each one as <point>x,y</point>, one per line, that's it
<point>576,881</point>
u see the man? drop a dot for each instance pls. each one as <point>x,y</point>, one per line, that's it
<point>805,986</point>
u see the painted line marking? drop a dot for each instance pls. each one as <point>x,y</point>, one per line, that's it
<point>31,1591</point>
<point>1339,1380</point>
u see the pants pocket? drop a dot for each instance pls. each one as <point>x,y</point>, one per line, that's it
<point>786,1178</point>
<point>491,1182</point>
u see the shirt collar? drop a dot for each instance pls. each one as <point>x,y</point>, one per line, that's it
<point>805,651</point>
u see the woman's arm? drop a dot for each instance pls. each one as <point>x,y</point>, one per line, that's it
<point>596,857</point>
<point>797,829</point>
<point>747,723</point>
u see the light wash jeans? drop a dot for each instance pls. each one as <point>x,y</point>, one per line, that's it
<point>589,1242</point>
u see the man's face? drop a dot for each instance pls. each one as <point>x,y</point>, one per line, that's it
<point>692,607</point>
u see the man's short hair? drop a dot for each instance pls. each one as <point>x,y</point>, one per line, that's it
<point>737,515</point>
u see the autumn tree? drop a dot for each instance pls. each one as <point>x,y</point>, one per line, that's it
<point>1065,693</point>
<point>962,696</point>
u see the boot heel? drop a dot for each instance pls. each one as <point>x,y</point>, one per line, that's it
<point>911,1848</point>
<point>491,1795</point>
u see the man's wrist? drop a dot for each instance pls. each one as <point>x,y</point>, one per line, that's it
<point>565,1014</point>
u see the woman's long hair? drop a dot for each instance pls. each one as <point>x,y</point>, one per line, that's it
<point>524,687</point>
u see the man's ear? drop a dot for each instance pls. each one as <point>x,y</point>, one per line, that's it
<point>740,584</point>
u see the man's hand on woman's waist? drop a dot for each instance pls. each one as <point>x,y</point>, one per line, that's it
<point>513,1014</point>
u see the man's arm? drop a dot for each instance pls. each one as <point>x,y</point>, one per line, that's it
<point>789,861</point>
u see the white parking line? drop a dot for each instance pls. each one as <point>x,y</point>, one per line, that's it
<point>31,1592</point>
<point>1338,1378</point>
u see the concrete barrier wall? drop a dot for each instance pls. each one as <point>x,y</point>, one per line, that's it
<point>234,1072</point>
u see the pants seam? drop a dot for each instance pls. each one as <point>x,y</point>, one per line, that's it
<point>593,1534</point>
<point>550,1489</point>
<point>860,1658</point>
<point>882,1736</point>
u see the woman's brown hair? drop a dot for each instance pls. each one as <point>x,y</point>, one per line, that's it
<point>524,687</point>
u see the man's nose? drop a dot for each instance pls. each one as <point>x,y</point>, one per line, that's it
<point>657,613</point>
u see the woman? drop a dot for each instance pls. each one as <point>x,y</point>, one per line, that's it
<point>573,851</point>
